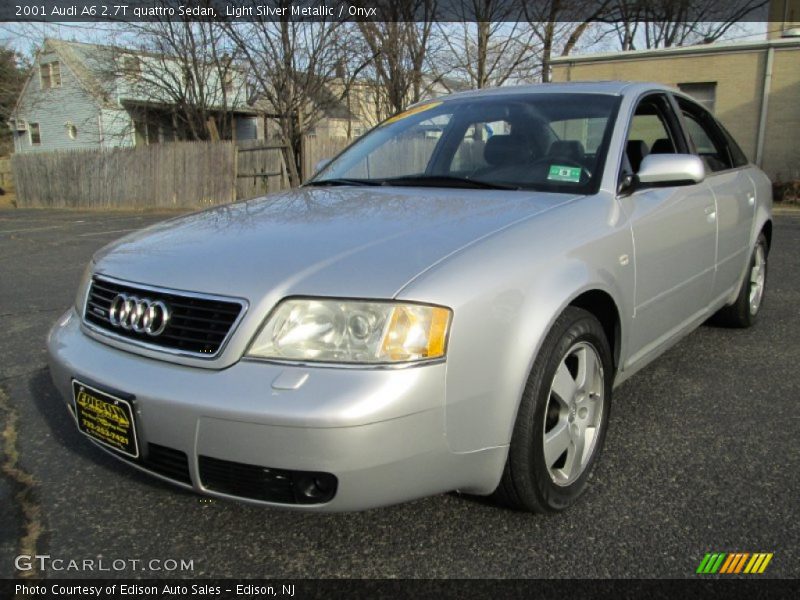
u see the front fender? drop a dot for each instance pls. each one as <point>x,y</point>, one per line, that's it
<point>506,293</point>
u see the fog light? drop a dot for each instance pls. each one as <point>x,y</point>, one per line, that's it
<point>314,488</point>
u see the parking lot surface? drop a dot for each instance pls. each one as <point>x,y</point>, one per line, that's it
<point>701,456</point>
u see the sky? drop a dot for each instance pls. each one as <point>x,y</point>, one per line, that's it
<point>26,37</point>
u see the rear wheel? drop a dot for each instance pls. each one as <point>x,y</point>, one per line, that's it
<point>562,418</point>
<point>744,311</point>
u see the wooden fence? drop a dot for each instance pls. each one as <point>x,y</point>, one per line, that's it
<point>181,174</point>
<point>7,188</point>
<point>260,169</point>
<point>184,174</point>
<point>393,159</point>
<point>315,149</point>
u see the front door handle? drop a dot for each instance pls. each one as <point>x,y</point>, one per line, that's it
<point>711,213</point>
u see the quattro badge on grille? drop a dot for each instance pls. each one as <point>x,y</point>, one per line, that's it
<point>140,315</point>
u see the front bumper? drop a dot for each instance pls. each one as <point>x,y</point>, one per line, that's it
<point>380,432</point>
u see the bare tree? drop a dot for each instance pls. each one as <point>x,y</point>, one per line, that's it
<point>183,72</point>
<point>13,72</point>
<point>398,50</point>
<point>296,67</point>
<point>492,45</point>
<point>666,23</point>
<point>559,25</point>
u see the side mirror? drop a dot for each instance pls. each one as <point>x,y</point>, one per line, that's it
<point>671,169</point>
<point>321,165</point>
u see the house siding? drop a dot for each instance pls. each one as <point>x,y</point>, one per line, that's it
<point>117,128</point>
<point>53,108</point>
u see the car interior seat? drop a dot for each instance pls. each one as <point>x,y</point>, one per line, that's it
<point>570,149</point>
<point>504,150</point>
<point>662,146</point>
<point>636,150</point>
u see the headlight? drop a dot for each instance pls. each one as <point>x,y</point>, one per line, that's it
<point>83,287</point>
<point>349,331</point>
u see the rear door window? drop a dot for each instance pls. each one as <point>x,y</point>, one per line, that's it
<point>706,136</point>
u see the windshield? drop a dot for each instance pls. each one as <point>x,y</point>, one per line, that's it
<point>543,141</point>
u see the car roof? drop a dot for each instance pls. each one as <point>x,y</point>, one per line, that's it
<point>614,88</point>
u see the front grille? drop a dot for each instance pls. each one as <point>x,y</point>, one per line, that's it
<point>167,462</point>
<point>197,325</point>
<point>266,484</point>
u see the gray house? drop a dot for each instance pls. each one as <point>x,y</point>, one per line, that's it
<point>87,96</point>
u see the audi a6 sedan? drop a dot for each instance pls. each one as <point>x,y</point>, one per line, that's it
<point>447,305</point>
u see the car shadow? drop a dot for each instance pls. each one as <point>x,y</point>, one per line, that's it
<point>63,431</point>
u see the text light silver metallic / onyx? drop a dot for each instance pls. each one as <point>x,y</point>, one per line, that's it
<point>141,315</point>
<point>548,241</point>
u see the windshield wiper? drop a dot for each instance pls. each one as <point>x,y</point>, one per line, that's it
<point>344,181</point>
<point>447,181</point>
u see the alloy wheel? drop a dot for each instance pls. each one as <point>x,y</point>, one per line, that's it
<point>758,275</point>
<point>574,413</point>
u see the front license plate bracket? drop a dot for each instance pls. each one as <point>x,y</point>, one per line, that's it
<point>105,418</point>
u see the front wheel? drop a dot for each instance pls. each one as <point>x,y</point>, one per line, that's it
<point>744,311</point>
<point>562,418</point>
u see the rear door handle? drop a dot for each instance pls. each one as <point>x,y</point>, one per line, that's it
<point>711,213</point>
<point>751,199</point>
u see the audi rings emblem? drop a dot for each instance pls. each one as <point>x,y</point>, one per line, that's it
<point>141,315</point>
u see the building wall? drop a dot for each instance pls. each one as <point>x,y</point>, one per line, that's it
<point>739,77</point>
<point>117,128</point>
<point>340,128</point>
<point>55,107</point>
<point>160,79</point>
<point>782,145</point>
<point>783,15</point>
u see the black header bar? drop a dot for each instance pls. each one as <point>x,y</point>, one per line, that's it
<point>88,11</point>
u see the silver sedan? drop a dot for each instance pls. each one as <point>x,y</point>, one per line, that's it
<point>447,305</point>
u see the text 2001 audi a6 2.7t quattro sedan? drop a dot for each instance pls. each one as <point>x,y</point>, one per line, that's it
<point>446,305</point>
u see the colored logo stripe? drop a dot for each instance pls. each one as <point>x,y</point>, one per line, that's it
<point>734,563</point>
<point>758,563</point>
<point>711,563</point>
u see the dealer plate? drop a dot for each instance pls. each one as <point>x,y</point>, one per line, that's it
<point>105,418</point>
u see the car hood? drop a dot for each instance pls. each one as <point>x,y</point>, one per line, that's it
<point>348,242</point>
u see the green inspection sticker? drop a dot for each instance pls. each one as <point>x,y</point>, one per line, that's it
<point>562,173</point>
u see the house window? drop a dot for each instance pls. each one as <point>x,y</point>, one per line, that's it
<point>55,74</point>
<point>704,93</point>
<point>50,75</point>
<point>145,133</point>
<point>227,81</point>
<point>132,67</point>
<point>33,130</point>
<point>44,76</point>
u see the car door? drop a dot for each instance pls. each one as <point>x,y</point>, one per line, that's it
<point>734,192</point>
<point>674,232</point>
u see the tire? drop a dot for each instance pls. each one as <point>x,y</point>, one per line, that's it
<point>744,311</point>
<point>545,481</point>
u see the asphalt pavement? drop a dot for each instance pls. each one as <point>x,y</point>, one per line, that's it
<point>701,456</point>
